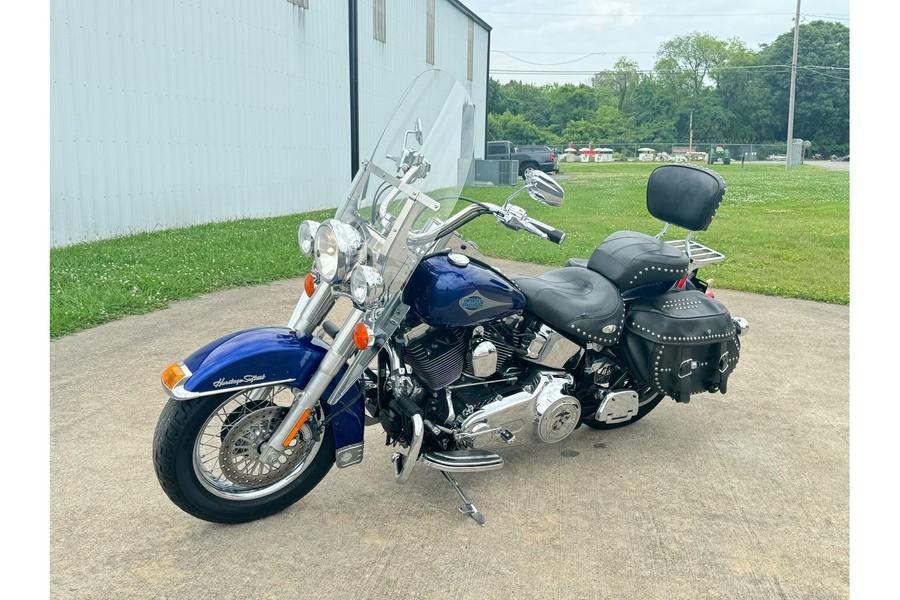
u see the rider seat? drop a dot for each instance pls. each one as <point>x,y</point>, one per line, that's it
<point>683,195</point>
<point>579,302</point>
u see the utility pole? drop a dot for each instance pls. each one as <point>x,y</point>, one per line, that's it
<point>691,138</point>
<point>790,132</point>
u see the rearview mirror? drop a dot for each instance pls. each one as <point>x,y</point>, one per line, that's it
<point>544,189</point>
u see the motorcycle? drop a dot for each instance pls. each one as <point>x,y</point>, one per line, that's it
<point>452,358</point>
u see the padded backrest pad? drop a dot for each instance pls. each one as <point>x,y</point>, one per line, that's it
<point>684,195</point>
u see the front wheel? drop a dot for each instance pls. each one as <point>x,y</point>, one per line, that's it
<point>206,455</point>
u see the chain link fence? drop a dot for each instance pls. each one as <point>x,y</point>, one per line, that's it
<point>592,151</point>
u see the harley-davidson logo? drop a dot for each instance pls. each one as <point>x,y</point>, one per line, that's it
<point>472,303</point>
<point>476,302</point>
<point>245,379</point>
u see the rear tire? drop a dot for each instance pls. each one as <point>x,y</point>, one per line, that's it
<point>204,452</point>
<point>527,170</point>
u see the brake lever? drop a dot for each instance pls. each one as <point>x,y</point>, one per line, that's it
<point>532,229</point>
<point>515,218</point>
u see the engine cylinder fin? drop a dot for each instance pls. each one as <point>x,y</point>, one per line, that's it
<point>438,357</point>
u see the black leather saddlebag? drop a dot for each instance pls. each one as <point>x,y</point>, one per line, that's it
<point>681,343</point>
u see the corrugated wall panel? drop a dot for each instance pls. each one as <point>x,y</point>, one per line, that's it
<point>167,114</point>
<point>386,69</point>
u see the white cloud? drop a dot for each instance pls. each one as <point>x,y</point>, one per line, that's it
<point>542,35</point>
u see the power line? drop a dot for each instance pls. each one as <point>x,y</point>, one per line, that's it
<point>826,74</point>
<point>566,62</point>
<point>571,52</point>
<point>663,15</point>
<point>657,71</point>
<point>827,16</point>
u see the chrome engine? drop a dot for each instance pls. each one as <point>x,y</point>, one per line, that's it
<point>476,381</point>
<point>542,412</point>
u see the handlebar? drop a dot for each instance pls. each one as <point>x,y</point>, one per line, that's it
<point>554,235</point>
<point>510,216</point>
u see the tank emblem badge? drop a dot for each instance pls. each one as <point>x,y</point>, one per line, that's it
<point>472,303</point>
<point>476,302</point>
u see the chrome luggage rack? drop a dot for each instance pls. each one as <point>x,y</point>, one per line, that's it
<point>699,254</point>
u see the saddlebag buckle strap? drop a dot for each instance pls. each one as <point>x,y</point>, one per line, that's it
<point>688,365</point>
<point>723,362</point>
<point>686,368</point>
<point>723,368</point>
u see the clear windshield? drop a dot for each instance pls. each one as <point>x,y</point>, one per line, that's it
<point>429,143</point>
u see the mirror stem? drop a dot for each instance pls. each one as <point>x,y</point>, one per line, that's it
<point>513,195</point>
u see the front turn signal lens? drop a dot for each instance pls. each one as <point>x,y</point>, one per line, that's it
<point>309,284</point>
<point>172,375</point>
<point>362,336</point>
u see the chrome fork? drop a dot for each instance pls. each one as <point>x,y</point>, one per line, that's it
<point>305,318</point>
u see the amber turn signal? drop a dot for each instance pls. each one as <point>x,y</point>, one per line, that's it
<point>172,375</point>
<point>309,284</point>
<point>362,336</point>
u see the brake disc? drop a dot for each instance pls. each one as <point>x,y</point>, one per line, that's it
<point>239,453</point>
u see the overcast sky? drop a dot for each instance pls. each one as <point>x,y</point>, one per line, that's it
<point>551,33</point>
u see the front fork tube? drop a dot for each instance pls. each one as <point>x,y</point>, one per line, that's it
<point>310,311</point>
<point>332,362</point>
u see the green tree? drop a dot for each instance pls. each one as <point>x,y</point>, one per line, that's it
<point>693,55</point>
<point>653,110</point>
<point>822,103</point>
<point>620,80</point>
<point>527,100</point>
<point>518,130</point>
<point>569,103</point>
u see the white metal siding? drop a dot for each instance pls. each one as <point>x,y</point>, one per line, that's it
<point>387,69</point>
<point>169,114</point>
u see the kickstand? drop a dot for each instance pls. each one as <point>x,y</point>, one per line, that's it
<point>467,508</point>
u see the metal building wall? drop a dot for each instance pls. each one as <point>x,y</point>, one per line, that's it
<point>387,68</point>
<point>167,114</point>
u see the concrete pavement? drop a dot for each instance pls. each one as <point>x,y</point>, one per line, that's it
<point>738,496</point>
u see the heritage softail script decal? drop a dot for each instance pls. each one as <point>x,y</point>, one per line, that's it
<point>245,379</point>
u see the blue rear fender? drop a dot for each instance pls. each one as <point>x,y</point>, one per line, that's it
<point>269,356</point>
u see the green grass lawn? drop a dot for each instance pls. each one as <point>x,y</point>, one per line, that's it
<point>784,234</point>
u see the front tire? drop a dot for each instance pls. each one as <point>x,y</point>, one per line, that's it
<point>206,459</point>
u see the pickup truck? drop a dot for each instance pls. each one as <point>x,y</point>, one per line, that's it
<point>529,157</point>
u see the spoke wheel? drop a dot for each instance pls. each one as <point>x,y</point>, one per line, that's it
<point>207,455</point>
<point>227,451</point>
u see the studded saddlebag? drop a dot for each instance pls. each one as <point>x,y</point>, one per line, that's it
<point>680,343</point>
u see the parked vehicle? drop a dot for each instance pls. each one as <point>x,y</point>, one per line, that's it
<point>719,154</point>
<point>450,357</point>
<point>646,154</point>
<point>530,157</point>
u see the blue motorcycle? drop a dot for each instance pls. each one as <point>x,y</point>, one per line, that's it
<point>452,358</point>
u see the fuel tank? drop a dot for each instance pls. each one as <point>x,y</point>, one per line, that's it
<point>454,290</point>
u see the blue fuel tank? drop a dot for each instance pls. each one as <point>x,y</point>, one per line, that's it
<point>447,294</point>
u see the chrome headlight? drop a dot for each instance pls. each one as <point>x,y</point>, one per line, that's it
<point>338,248</point>
<point>366,286</point>
<point>306,235</point>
